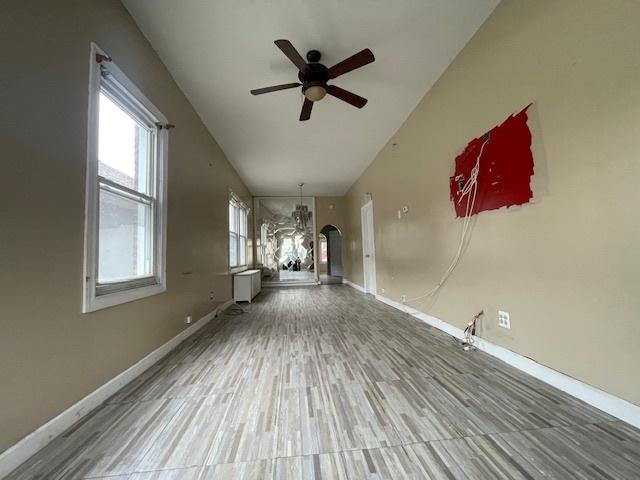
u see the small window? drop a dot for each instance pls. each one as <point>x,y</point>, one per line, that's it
<point>323,249</point>
<point>238,214</point>
<point>126,191</point>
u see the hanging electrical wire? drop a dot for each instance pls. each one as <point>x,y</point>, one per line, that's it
<point>469,190</point>
<point>470,332</point>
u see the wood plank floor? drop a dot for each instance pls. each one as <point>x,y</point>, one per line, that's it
<point>327,383</point>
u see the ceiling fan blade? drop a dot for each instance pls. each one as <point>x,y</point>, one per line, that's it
<point>275,88</point>
<point>305,114</point>
<point>357,60</point>
<point>347,96</point>
<point>292,54</point>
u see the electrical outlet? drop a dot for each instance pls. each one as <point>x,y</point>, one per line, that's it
<point>211,296</point>
<point>188,319</point>
<point>382,290</point>
<point>404,298</point>
<point>504,320</point>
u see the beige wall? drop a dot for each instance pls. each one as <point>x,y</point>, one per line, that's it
<point>330,211</point>
<point>51,355</point>
<point>565,267</point>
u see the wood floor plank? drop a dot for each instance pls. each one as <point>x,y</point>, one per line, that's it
<point>328,383</point>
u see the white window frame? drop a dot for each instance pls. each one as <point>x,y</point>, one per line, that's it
<point>96,297</point>
<point>241,209</point>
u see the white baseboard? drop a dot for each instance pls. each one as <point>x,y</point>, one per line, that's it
<point>354,285</point>
<point>608,403</point>
<point>433,321</point>
<point>17,454</point>
<point>289,284</point>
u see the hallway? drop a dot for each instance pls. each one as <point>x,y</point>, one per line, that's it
<point>325,382</point>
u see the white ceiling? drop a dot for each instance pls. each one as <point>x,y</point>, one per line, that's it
<point>219,50</point>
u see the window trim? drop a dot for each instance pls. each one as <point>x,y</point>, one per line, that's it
<point>116,293</point>
<point>242,207</point>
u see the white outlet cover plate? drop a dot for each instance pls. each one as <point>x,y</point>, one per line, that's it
<point>504,319</point>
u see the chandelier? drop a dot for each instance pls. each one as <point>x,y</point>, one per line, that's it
<point>301,214</point>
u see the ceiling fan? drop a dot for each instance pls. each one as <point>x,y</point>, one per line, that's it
<point>314,77</point>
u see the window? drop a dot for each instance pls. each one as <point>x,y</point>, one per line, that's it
<point>323,249</point>
<point>293,248</point>
<point>238,213</point>
<point>126,191</point>
<point>264,230</point>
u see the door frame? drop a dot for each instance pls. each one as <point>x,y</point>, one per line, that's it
<point>368,238</point>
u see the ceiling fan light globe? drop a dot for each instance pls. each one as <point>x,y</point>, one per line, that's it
<point>315,93</point>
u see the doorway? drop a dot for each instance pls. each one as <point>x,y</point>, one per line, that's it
<point>330,259</point>
<point>368,249</point>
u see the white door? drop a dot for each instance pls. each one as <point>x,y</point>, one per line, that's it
<point>368,249</point>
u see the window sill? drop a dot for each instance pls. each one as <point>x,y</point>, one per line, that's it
<point>238,269</point>
<point>125,296</point>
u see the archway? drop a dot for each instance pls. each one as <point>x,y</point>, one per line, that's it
<point>330,254</point>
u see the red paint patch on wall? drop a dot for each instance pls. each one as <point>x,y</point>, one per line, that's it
<point>506,167</point>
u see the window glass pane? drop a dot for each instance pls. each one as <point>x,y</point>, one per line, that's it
<point>300,250</point>
<point>243,221</point>
<point>125,248</point>
<point>287,248</point>
<point>323,249</point>
<point>243,251</point>
<point>233,250</point>
<point>124,147</point>
<point>263,234</point>
<point>263,243</point>
<point>233,218</point>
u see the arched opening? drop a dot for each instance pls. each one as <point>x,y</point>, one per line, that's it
<point>330,254</point>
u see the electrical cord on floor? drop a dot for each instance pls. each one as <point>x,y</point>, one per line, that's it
<point>467,343</point>
<point>470,332</point>
<point>235,309</point>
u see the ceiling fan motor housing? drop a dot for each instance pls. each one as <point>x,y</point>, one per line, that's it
<point>314,81</point>
<point>316,73</point>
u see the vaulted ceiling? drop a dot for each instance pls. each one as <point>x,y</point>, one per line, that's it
<point>219,50</point>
